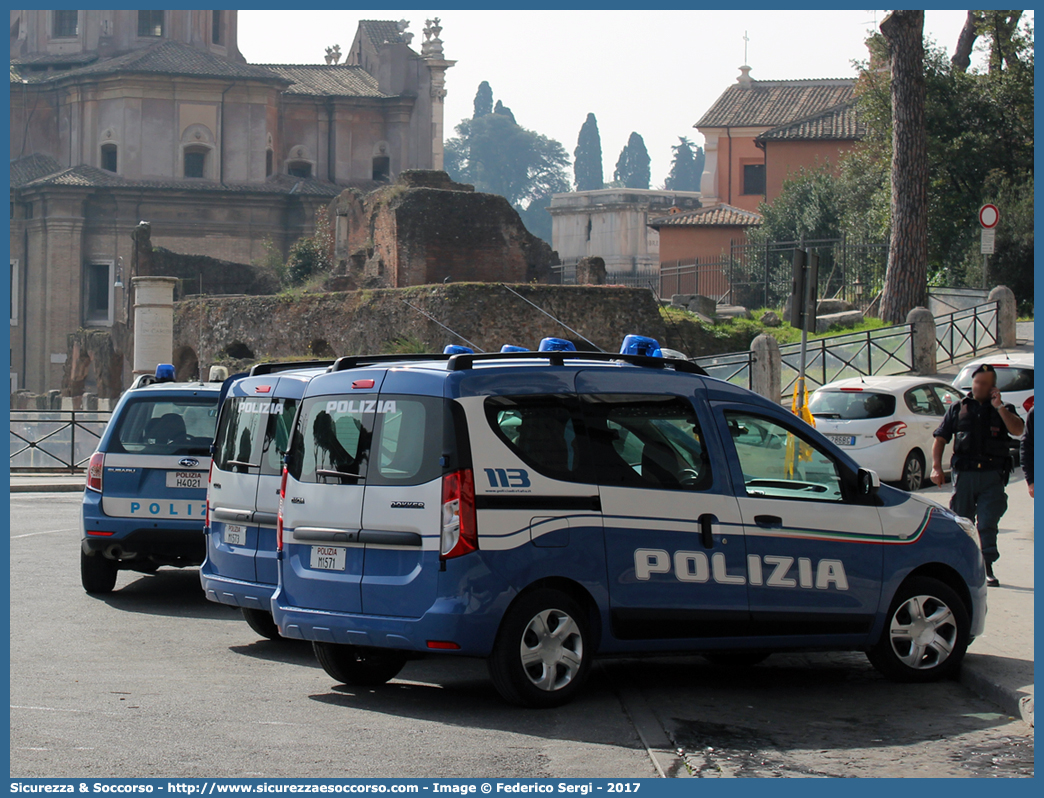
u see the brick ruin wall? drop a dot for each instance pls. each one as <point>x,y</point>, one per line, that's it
<point>238,330</point>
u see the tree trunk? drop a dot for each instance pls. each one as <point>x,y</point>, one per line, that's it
<point>969,33</point>
<point>906,280</point>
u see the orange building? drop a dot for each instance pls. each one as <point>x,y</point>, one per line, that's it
<point>741,141</point>
<point>756,135</point>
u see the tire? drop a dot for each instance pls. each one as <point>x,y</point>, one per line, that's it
<point>737,659</point>
<point>359,666</point>
<point>913,471</point>
<point>543,651</point>
<point>926,633</point>
<point>97,573</point>
<point>261,622</point>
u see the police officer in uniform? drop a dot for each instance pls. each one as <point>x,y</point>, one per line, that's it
<point>982,427</point>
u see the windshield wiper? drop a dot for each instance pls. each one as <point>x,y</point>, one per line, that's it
<point>325,472</point>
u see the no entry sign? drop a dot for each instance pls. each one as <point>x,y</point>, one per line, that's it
<point>989,216</point>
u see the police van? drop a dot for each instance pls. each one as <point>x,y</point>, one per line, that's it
<point>539,508</point>
<point>144,503</point>
<point>243,488</point>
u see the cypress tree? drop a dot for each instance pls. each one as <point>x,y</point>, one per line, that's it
<point>587,163</point>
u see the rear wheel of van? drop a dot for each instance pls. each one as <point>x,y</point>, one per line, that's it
<point>261,622</point>
<point>359,666</point>
<point>97,573</point>
<point>542,653</point>
<point>926,633</point>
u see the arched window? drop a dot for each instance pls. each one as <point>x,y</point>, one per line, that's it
<point>108,157</point>
<point>215,27</point>
<point>381,169</point>
<point>268,163</point>
<point>299,169</point>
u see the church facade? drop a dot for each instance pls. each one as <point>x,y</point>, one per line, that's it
<point>122,116</point>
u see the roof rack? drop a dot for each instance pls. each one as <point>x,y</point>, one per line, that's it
<point>274,368</point>
<point>355,361</point>
<point>464,362</point>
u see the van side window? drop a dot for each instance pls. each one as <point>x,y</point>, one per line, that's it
<point>544,431</point>
<point>778,463</point>
<point>646,441</point>
<point>331,442</point>
<point>236,448</point>
<point>410,444</point>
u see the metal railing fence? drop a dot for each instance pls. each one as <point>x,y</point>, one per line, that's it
<point>55,440</point>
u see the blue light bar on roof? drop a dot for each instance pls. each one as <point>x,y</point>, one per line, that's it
<point>556,345</point>
<point>165,372</point>
<point>640,345</point>
<point>457,349</point>
<point>513,348</point>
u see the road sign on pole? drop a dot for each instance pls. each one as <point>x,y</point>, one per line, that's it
<point>989,215</point>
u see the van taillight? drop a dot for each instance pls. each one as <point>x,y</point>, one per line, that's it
<point>210,478</point>
<point>279,518</point>
<point>889,432</point>
<point>459,530</point>
<point>94,472</point>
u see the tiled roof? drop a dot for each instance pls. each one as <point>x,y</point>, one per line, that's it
<point>32,167</point>
<point>719,215</point>
<point>169,58</point>
<point>838,123</point>
<point>379,31</point>
<point>46,59</point>
<point>321,80</point>
<point>91,177</point>
<point>770,103</point>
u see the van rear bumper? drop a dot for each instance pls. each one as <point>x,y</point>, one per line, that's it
<point>445,622</point>
<point>236,592</point>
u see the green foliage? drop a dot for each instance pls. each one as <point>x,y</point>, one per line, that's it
<point>632,168</point>
<point>498,156</point>
<point>310,256</point>
<point>587,157</point>
<point>483,100</point>
<point>272,261</point>
<point>405,345</point>
<point>808,206</point>
<point>686,168</point>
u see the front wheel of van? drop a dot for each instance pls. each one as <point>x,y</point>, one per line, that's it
<point>542,653</point>
<point>97,573</point>
<point>926,634</point>
<point>261,622</point>
<point>359,666</point>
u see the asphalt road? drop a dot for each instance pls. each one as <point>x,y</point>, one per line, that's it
<point>155,681</point>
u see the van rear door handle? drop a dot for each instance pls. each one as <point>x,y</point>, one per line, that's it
<point>769,521</point>
<point>707,530</point>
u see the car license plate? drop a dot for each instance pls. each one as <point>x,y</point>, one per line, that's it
<point>185,479</point>
<point>235,535</point>
<point>328,558</point>
<point>842,440</point>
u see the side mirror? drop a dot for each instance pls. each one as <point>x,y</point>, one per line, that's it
<point>868,482</point>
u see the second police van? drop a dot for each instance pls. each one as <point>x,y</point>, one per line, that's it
<point>243,491</point>
<point>537,509</point>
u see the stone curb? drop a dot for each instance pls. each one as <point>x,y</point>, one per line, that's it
<point>1014,703</point>
<point>52,487</point>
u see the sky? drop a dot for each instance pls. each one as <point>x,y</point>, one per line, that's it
<point>653,72</point>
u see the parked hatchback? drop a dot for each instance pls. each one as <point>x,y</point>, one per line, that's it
<point>885,423</point>
<point>1014,378</point>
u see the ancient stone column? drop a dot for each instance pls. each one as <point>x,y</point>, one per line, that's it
<point>766,368</point>
<point>923,344</point>
<point>1006,315</point>
<point>153,322</point>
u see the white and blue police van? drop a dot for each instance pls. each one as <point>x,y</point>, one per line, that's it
<point>144,504</point>
<point>540,508</point>
<point>256,415</point>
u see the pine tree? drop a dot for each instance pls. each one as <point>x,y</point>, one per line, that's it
<point>483,100</point>
<point>686,168</point>
<point>632,169</point>
<point>587,163</point>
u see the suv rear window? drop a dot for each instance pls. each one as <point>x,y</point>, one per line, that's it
<point>166,426</point>
<point>253,434</point>
<point>851,405</point>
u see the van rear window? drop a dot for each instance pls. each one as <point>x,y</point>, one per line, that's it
<point>166,426</point>
<point>253,434</point>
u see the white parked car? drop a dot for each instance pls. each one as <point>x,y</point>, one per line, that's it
<point>885,423</point>
<point>1014,378</point>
